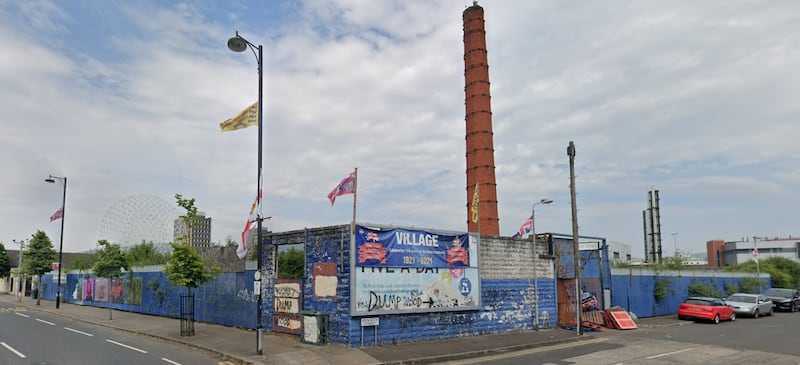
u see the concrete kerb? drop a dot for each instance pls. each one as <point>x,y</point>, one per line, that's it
<point>487,352</point>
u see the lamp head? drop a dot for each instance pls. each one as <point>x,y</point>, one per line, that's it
<point>546,201</point>
<point>50,180</point>
<point>237,44</point>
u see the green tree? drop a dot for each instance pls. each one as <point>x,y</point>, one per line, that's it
<point>230,242</point>
<point>38,258</point>
<point>82,262</point>
<point>111,262</point>
<point>784,273</point>
<point>5,262</point>
<point>189,219</point>
<point>186,268</point>
<point>145,254</point>
<point>291,264</point>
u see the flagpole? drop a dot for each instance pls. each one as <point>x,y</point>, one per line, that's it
<point>478,190</point>
<point>355,196</point>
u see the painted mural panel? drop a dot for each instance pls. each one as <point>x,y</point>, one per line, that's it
<point>116,294</point>
<point>287,306</point>
<point>133,291</point>
<point>101,290</point>
<point>406,290</point>
<point>412,248</point>
<point>88,289</point>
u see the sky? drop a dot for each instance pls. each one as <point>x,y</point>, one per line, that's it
<point>692,98</point>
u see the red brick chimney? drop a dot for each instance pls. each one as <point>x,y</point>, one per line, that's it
<point>480,145</point>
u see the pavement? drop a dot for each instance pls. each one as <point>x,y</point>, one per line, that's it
<point>238,345</point>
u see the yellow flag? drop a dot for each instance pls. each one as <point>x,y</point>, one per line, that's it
<point>245,118</point>
<point>476,197</point>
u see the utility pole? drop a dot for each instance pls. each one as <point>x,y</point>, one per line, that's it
<point>18,294</point>
<point>575,246</point>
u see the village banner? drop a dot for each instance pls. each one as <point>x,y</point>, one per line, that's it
<point>398,270</point>
<point>399,247</point>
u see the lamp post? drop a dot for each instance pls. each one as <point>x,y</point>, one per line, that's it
<point>239,44</point>
<point>535,255</point>
<point>52,179</point>
<point>755,255</point>
<point>18,294</point>
<point>675,242</point>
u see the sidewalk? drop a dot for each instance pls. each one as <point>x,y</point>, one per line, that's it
<point>239,345</point>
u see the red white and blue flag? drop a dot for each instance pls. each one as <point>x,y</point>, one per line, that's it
<point>525,228</point>
<point>247,233</point>
<point>346,186</point>
<point>58,214</point>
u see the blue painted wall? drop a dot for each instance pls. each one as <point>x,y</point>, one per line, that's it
<point>633,289</point>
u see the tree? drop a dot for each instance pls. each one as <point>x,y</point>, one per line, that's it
<point>5,262</point>
<point>83,262</point>
<point>110,263</point>
<point>291,264</point>
<point>230,242</point>
<point>186,268</point>
<point>39,258</point>
<point>189,219</point>
<point>145,254</point>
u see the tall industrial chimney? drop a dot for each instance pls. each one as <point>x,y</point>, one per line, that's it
<point>480,145</point>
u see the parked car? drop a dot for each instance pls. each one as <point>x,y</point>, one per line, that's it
<point>784,299</point>
<point>706,308</point>
<point>753,305</point>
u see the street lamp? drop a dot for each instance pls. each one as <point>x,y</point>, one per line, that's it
<point>675,242</point>
<point>18,294</point>
<point>239,44</point>
<point>52,179</point>
<point>535,255</point>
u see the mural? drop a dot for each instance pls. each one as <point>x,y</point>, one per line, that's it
<point>116,290</point>
<point>133,291</point>
<point>101,290</point>
<point>88,289</point>
<point>286,314</point>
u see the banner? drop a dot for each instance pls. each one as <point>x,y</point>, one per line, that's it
<point>412,248</point>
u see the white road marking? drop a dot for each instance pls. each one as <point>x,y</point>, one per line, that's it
<point>668,353</point>
<point>526,352</point>
<point>12,350</point>
<point>46,322</point>
<point>76,331</point>
<point>170,361</point>
<point>22,315</point>
<point>126,346</point>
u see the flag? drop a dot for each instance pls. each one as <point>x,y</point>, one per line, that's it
<point>476,198</point>
<point>346,186</point>
<point>525,228</point>
<point>247,233</point>
<point>245,118</point>
<point>755,252</point>
<point>58,214</point>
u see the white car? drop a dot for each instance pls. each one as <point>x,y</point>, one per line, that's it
<point>753,305</point>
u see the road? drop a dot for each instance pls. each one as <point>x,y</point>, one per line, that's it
<point>33,337</point>
<point>766,340</point>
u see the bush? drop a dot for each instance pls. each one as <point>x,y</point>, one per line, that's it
<point>701,289</point>
<point>751,285</point>
<point>662,288</point>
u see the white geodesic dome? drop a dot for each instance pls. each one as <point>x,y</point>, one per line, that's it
<point>137,219</point>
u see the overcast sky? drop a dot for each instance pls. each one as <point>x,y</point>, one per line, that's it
<point>694,98</point>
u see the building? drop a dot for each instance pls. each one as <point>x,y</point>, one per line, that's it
<point>727,253</point>
<point>619,252</point>
<point>201,231</point>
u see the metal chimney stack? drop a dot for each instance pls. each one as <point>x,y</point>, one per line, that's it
<point>480,145</point>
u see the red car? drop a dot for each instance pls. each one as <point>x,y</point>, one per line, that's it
<point>705,308</point>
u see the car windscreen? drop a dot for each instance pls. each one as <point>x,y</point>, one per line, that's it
<point>697,302</point>
<point>785,293</point>
<point>742,298</point>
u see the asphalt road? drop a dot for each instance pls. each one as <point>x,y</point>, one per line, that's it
<point>32,337</point>
<point>765,340</point>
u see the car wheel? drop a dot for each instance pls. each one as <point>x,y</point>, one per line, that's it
<point>770,312</point>
<point>733,317</point>
<point>794,307</point>
<point>681,317</point>
<point>755,314</point>
<point>716,319</point>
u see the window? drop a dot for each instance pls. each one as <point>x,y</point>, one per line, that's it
<point>616,256</point>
